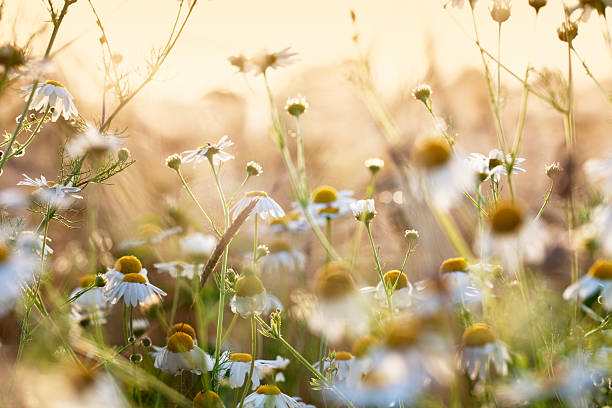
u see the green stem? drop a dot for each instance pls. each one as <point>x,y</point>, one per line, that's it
<point>452,233</point>
<point>29,140</point>
<point>247,385</point>
<point>229,328</point>
<point>255,241</point>
<point>197,203</point>
<point>546,201</point>
<point>380,271</point>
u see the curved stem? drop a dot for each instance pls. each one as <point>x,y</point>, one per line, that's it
<point>197,203</point>
<point>380,272</point>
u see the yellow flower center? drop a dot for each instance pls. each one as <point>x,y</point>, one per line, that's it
<point>324,195</point>
<point>334,280</point>
<point>279,245</point>
<point>148,231</point>
<point>128,264</point>
<point>182,328</point>
<point>343,355</point>
<point>402,332</point>
<point>134,278</point>
<point>180,342</point>
<point>601,269</point>
<point>453,265</point>
<point>55,83</point>
<point>478,335</point>
<point>268,390</point>
<point>241,357</point>
<point>506,218</point>
<point>431,152</point>
<point>4,253</point>
<point>329,210</point>
<point>397,279</point>
<point>256,194</point>
<point>87,280</point>
<point>287,218</point>
<point>207,399</point>
<point>248,286</point>
<point>363,345</point>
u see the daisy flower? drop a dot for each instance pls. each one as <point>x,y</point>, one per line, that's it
<point>50,192</point>
<point>182,354</point>
<point>397,283</point>
<point>269,396</point>
<point>363,210</point>
<point>339,309</point>
<point>599,171</point>
<point>238,365</point>
<point>283,258</point>
<point>512,237</point>
<point>89,304</point>
<point>198,245</point>
<point>442,173</point>
<point>461,286</point>
<point>342,365</point>
<point>214,152</point>
<point>374,164</point>
<point>493,166</point>
<point>264,60</point>
<point>596,233</point>
<point>250,297</point>
<point>128,281</point>
<point>266,207</point>
<point>296,105</point>
<point>93,142</point>
<point>54,95</point>
<point>597,281</point>
<point>178,269</point>
<point>329,203</point>
<point>207,399</point>
<point>481,351</point>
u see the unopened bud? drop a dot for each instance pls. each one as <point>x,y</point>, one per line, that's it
<point>568,31</point>
<point>254,169</point>
<point>123,154</point>
<point>174,161</point>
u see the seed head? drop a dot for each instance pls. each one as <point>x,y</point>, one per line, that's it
<point>297,105</point>
<point>568,31</point>
<point>174,161</point>
<point>422,93</point>
<point>553,170</point>
<point>500,10</point>
<point>537,4</point>
<point>254,169</point>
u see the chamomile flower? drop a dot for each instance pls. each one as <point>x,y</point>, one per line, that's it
<point>213,152</point>
<point>493,166</point>
<point>374,164</point>
<point>461,286</point>
<point>342,365</point>
<point>291,222</point>
<point>597,281</point>
<point>269,396</point>
<point>442,173</point>
<point>596,233</point>
<point>128,281</point>
<point>282,258</point>
<point>264,60</point>
<point>481,351</point>
<point>207,399</point>
<point>512,237</point>
<point>363,210</point>
<point>266,207</point>
<point>250,297</point>
<point>198,245</point>
<point>599,170</point>
<point>339,309</point>
<point>182,354</point>
<point>54,95</point>
<point>181,269</point>
<point>397,283</point>
<point>329,203</point>
<point>91,141</point>
<point>238,366</point>
<point>91,303</point>
<point>50,192</point>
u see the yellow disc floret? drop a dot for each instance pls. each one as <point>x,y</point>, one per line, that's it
<point>363,345</point>
<point>54,83</point>
<point>279,245</point>
<point>207,399</point>
<point>87,280</point>
<point>148,231</point>
<point>128,264</point>
<point>268,390</point>
<point>4,253</point>
<point>241,357</point>
<point>248,286</point>
<point>343,356</point>
<point>182,328</point>
<point>286,219</point>
<point>134,278</point>
<point>180,342</point>
<point>478,335</point>
<point>328,210</point>
<point>396,279</point>
<point>453,265</point>
<point>431,152</point>
<point>402,332</point>
<point>601,269</point>
<point>334,280</point>
<point>324,195</point>
<point>506,219</point>
<point>256,194</point>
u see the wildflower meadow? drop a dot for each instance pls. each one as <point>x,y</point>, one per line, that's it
<point>308,233</point>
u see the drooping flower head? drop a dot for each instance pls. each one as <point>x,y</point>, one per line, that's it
<point>53,95</point>
<point>250,297</point>
<point>213,152</point>
<point>266,207</point>
<point>263,60</point>
<point>329,203</point>
<point>481,351</point>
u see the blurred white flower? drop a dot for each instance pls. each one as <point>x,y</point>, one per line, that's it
<point>599,170</point>
<point>181,269</point>
<point>135,289</point>
<point>198,244</point>
<point>17,267</point>
<point>214,152</point>
<point>493,166</point>
<point>269,396</point>
<point>363,210</point>
<point>50,192</point>
<point>263,60</point>
<point>238,366</point>
<point>149,234</point>
<point>91,304</point>
<point>374,164</point>
<point>282,258</point>
<point>329,203</point>
<point>296,105</point>
<point>597,281</point>
<point>401,290</point>
<point>182,354</point>
<point>342,366</point>
<point>54,95</point>
<point>250,297</point>
<point>266,207</point>
<point>481,350</point>
<point>291,222</point>
<point>93,142</point>
<point>11,198</point>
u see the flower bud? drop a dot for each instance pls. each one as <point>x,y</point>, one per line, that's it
<point>568,31</point>
<point>411,234</point>
<point>296,106</point>
<point>500,10</point>
<point>174,161</point>
<point>99,281</point>
<point>537,4</point>
<point>422,93</point>
<point>254,169</point>
<point>374,164</point>
<point>123,154</point>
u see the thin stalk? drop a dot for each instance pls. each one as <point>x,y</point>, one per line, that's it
<point>197,203</point>
<point>300,155</point>
<point>255,241</point>
<point>357,240</point>
<point>380,271</point>
<point>230,328</point>
<point>126,333</point>
<point>452,233</point>
<point>546,200</point>
<point>253,352</point>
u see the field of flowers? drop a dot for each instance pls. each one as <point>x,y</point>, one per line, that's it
<point>453,270</point>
